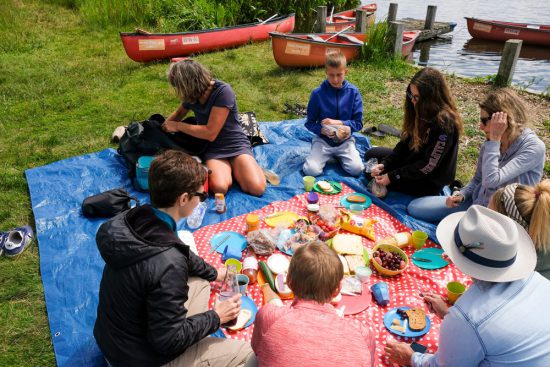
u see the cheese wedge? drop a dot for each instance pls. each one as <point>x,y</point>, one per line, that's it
<point>347,244</point>
<point>244,316</point>
<point>403,239</point>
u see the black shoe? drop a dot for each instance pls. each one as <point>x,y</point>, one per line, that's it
<point>373,131</point>
<point>389,130</point>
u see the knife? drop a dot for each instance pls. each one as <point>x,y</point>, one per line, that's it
<point>215,248</point>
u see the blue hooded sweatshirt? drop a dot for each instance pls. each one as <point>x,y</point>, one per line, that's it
<point>343,104</point>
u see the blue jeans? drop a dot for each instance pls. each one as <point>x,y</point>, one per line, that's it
<point>433,208</point>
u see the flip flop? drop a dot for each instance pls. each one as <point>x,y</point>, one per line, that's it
<point>373,131</point>
<point>389,130</point>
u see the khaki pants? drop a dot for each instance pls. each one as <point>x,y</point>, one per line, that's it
<point>209,352</point>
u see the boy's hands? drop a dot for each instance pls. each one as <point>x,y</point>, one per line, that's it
<point>328,131</point>
<point>328,121</point>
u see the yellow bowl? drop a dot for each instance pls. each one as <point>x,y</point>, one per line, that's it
<point>389,248</point>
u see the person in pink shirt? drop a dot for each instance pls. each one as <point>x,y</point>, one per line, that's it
<point>309,332</point>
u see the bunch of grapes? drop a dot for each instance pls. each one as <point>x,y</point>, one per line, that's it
<point>389,260</point>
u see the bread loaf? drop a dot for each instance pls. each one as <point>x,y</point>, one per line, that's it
<point>325,186</point>
<point>417,318</point>
<point>347,244</point>
<point>356,199</point>
<point>242,319</point>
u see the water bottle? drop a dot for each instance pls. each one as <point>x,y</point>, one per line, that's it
<point>194,221</point>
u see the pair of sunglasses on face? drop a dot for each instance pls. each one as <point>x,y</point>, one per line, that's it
<point>412,97</point>
<point>484,120</point>
<point>201,195</point>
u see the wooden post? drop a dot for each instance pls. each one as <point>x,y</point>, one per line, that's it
<point>361,21</point>
<point>392,13</point>
<point>321,24</point>
<point>430,17</point>
<point>507,65</point>
<point>396,34</point>
<point>424,54</point>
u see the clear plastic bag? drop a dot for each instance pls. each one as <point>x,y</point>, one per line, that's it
<point>380,191</point>
<point>262,241</point>
<point>369,165</point>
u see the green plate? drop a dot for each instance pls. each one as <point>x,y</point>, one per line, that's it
<point>336,188</point>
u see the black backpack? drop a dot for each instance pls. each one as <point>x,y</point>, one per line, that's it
<point>148,138</point>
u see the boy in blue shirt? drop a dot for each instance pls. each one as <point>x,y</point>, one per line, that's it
<point>334,113</point>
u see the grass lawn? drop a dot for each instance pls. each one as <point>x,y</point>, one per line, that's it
<point>64,87</point>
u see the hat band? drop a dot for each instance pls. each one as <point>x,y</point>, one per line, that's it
<point>466,250</point>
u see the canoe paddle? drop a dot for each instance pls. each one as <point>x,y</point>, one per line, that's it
<point>268,19</point>
<point>335,34</point>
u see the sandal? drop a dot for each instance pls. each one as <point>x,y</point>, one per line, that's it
<point>373,131</point>
<point>17,240</point>
<point>3,238</point>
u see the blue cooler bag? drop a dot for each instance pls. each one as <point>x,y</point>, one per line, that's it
<point>142,172</point>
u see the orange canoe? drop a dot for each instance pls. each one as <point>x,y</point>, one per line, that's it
<point>308,50</point>
<point>346,18</point>
<point>143,46</point>
<point>534,34</point>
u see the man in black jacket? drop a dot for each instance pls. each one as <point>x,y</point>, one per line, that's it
<point>153,297</point>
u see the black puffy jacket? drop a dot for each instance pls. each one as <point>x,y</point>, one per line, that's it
<point>141,320</point>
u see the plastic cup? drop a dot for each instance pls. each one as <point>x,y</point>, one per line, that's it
<point>363,273</point>
<point>308,183</point>
<point>454,290</point>
<point>242,279</point>
<point>234,265</point>
<point>381,293</point>
<point>356,208</point>
<point>419,239</point>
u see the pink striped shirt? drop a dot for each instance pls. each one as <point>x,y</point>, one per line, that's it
<point>309,334</point>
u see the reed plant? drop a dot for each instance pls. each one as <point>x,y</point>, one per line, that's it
<point>184,15</point>
<point>378,47</point>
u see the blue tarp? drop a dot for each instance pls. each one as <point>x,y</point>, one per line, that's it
<point>70,264</point>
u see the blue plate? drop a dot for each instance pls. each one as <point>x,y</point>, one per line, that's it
<point>433,254</point>
<point>233,239</point>
<point>392,314</point>
<point>248,303</point>
<point>345,203</point>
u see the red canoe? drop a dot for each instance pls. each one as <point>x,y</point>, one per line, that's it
<point>143,46</point>
<point>534,34</point>
<point>346,18</point>
<point>307,50</point>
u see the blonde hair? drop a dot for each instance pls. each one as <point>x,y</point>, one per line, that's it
<point>315,272</point>
<point>533,204</point>
<point>190,79</point>
<point>335,59</point>
<point>506,100</point>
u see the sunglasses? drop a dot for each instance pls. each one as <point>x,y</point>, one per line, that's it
<point>201,195</point>
<point>412,97</point>
<point>484,120</point>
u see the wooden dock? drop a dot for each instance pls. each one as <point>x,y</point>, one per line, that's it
<point>438,28</point>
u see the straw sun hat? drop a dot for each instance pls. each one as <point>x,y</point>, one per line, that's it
<point>487,245</point>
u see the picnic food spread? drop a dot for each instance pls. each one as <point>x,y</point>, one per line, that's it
<point>372,246</point>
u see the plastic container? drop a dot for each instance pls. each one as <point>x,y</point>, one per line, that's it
<point>252,222</point>
<point>194,221</point>
<point>142,172</point>
<point>220,203</point>
<point>250,266</point>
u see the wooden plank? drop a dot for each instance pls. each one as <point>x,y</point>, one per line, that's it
<point>321,24</point>
<point>438,28</point>
<point>392,13</point>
